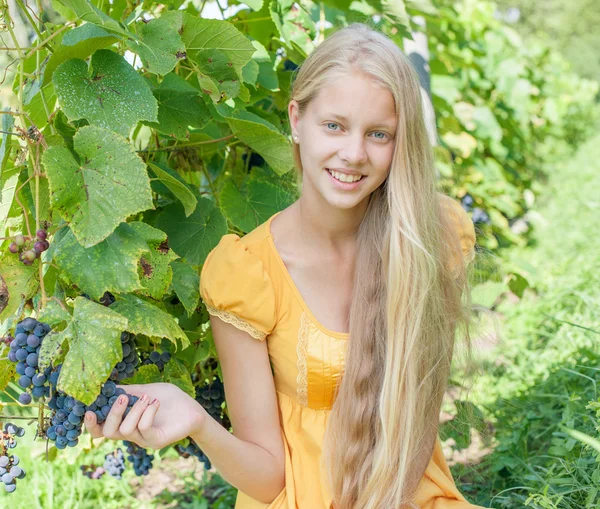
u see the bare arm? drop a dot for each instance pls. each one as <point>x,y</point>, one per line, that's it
<point>252,458</point>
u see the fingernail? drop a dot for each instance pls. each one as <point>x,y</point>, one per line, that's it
<point>121,400</point>
<point>154,401</point>
<point>144,398</point>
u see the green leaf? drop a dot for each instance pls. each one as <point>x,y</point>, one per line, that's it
<point>111,265</point>
<point>255,5</point>
<point>155,271</point>
<point>94,337</point>
<point>9,182</point>
<point>86,11</point>
<point>54,347</point>
<point>53,314</point>
<point>159,45</point>
<point>80,42</point>
<point>145,318</point>
<point>487,125</point>
<point>180,190</point>
<point>110,93</point>
<point>186,283</point>
<point>7,369</point>
<point>8,121</point>
<point>17,282</point>
<point>217,66</point>
<point>176,374</point>
<point>180,106</point>
<point>295,24</point>
<point>251,206</point>
<point>107,185</point>
<point>195,236</point>
<point>395,10</point>
<point>147,374</point>
<point>264,138</point>
<point>200,34</point>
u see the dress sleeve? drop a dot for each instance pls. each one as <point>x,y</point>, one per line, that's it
<point>461,226</point>
<point>236,288</point>
<point>437,489</point>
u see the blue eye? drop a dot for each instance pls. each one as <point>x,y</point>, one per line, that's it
<point>380,132</point>
<point>331,123</point>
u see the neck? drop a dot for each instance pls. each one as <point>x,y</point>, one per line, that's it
<point>331,228</point>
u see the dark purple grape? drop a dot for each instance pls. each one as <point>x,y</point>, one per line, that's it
<point>41,234</point>
<point>13,248</point>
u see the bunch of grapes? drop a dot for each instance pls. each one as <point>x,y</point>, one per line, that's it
<point>480,216</point>
<point>211,396</point>
<point>107,398</point>
<point>24,351</point>
<point>9,469</point>
<point>192,449</point>
<point>67,420</point>
<point>156,358</point>
<point>92,471</point>
<point>139,457</point>
<point>126,367</point>
<point>114,463</point>
<point>28,253</point>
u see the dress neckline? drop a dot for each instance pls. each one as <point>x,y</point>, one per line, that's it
<point>286,273</point>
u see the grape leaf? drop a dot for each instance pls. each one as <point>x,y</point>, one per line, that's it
<point>53,314</point>
<point>264,138</point>
<point>200,34</point>
<point>17,282</point>
<point>147,374</point>
<point>195,236</point>
<point>86,11</point>
<point>176,374</point>
<point>155,271</point>
<point>159,45</point>
<point>295,25</point>
<point>186,283</point>
<point>94,337</point>
<point>145,318</point>
<point>179,189</point>
<point>54,347</point>
<point>106,186</point>
<point>8,121</point>
<point>254,204</point>
<point>7,369</point>
<point>180,106</point>
<point>80,42</point>
<point>110,93</point>
<point>88,267</point>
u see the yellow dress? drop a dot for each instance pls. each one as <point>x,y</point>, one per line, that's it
<point>245,282</point>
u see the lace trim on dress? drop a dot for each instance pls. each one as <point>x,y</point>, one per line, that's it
<point>301,350</point>
<point>235,320</point>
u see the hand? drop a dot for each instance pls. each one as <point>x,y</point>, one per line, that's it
<point>163,415</point>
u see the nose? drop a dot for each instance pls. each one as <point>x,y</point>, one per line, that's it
<point>353,150</point>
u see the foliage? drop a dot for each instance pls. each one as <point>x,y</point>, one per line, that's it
<point>146,132</point>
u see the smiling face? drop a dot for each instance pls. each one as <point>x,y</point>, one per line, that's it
<point>349,128</point>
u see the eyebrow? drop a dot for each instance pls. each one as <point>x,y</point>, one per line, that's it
<point>345,119</point>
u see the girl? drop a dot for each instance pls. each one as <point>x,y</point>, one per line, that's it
<point>334,321</point>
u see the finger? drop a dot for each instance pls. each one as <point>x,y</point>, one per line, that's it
<point>129,424</point>
<point>91,424</point>
<point>114,418</point>
<point>147,420</point>
<point>135,389</point>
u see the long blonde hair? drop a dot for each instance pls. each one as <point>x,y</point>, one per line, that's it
<point>407,300</point>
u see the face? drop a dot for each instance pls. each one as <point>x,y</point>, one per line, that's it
<point>349,128</point>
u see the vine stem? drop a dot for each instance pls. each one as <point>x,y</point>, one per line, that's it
<point>69,24</point>
<point>191,144</point>
<point>15,417</point>
<point>26,12</point>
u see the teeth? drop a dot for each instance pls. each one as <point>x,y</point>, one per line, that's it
<point>343,177</point>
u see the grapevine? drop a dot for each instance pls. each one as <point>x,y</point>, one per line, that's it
<point>10,470</point>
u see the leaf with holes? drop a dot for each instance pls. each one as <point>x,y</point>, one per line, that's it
<point>155,271</point>
<point>107,185</point>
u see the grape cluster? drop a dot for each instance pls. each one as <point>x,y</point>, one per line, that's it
<point>107,398</point>
<point>24,351</point>
<point>192,449</point>
<point>114,463</point>
<point>139,457</point>
<point>156,358</point>
<point>9,469</point>
<point>28,253</point>
<point>67,420</point>
<point>126,367</point>
<point>92,471</point>
<point>211,396</point>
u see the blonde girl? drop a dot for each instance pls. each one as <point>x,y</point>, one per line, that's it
<point>335,319</point>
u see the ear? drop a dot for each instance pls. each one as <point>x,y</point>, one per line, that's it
<point>293,113</point>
